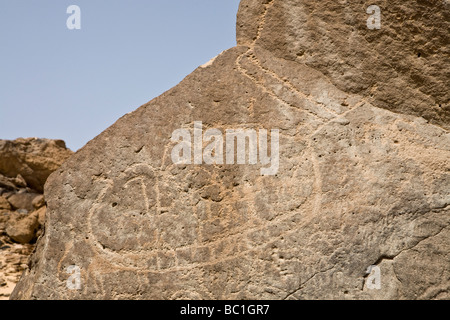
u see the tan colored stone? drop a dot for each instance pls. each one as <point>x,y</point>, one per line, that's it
<point>38,202</point>
<point>23,200</point>
<point>34,159</point>
<point>6,183</point>
<point>41,215</point>
<point>359,186</point>
<point>405,58</point>
<point>19,181</point>
<point>4,204</point>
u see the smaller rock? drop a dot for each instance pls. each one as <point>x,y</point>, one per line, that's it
<point>38,202</point>
<point>19,181</point>
<point>41,215</point>
<point>342,121</point>
<point>4,217</point>
<point>6,183</point>
<point>4,204</point>
<point>23,200</point>
<point>23,212</point>
<point>24,230</point>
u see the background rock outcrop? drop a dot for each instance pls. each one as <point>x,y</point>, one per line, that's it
<point>363,179</point>
<point>22,204</point>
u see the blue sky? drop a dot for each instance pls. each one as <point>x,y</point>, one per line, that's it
<point>72,84</point>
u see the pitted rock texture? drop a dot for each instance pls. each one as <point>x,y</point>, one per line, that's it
<point>402,67</point>
<point>358,185</point>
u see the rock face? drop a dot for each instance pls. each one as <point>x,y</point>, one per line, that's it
<point>399,67</point>
<point>33,159</point>
<point>357,203</point>
<point>22,207</point>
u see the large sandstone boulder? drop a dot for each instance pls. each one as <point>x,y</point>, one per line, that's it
<point>34,159</point>
<point>355,204</point>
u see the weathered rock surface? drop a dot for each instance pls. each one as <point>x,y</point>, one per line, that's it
<point>34,159</point>
<point>22,209</point>
<point>13,260</point>
<point>13,255</point>
<point>363,179</point>
<point>23,200</point>
<point>402,67</point>
<point>12,183</point>
<point>4,204</point>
